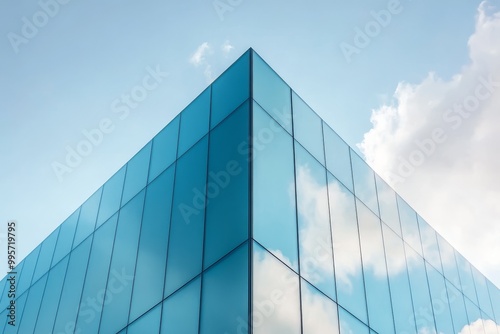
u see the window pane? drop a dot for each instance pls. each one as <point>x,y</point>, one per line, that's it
<point>319,313</point>
<point>495,300</point>
<point>148,323</point>
<point>429,244</point>
<point>467,282</point>
<point>364,182</point>
<point>152,256</point>
<point>388,205</point>
<point>181,310</point>
<point>447,253</point>
<point>87,218</point>
<point>276,300</point>
<point>66,235</point>
<point>5,300</point>
<point>307,129</point>
<point>350,325</point>
<point>164,151</point>
<point>315,243</point>
<point>227,209</point>
<point>185,249</point>
<point>347,254</point>
<point>111,196</point>
<point>26,276</point>
<point>194,121</point>
<point>338,160</point>
<point>272,93</point>
<point>482,292</point>
<point>439,300</point>
<point>274,216</point>
<point>121,272</point>
<point>457,306</point>
<point>409,225</point>
<point>20,303</point>
<point>231,89</point>
<point>46,253</point>
<point>30,313</point>
<point>225,294</point>
<point>137,173</point>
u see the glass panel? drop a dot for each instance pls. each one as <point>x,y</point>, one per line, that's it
<point>495,300</point>
<point>429,244</point>
<point>3,321</point>
<point>467,282</point>
<point>231,89</point>
<point>87,218</point>
<point>72,290</point>
<point>388,205</point>
<point>272,93</point>
<point>439,299</point>
<point>50,301</point>
<point>274,216</point>
<point>164,151</point>
<point>137,173</point>
<point>482,292</point>
<point>181,310</point>
<point>30,313</point>
<point>5,299</point>
<point>450,269</point>
<point>148,323</point>
<point>20,302</point>
<point>66,235</point>
<point>364,182</point>
<point>474,315</point>
<point>225,294</point>
<point>409,225</point>
<point>152,256</point>
<point>319,313</point>
<point>457,307</point>
<point>338,160</point>
<point>194,121</point>
<point>25,278</point>
<point>111,196</point>
<point>349,324</point>
<point>185,249</point>
<point>46,254</point>
<point>347,254</point>
<point>276,300</point>
<point>315,243</point>
<point>121,272</point>
<point>227,192</point>
<point>375,271</point>
<point>95,294</point>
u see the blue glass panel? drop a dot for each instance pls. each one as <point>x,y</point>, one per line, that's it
<point>164,150</point>
<point>338,160</point>
<point>181,310</point>
<point>276,300</point>
<point>137,173</point>
<point>152,256</point>
<point>457,307</point>
<point>50,301</point>
<point>319,313</point>
<point>364,182</point>
<point>46,254</point>
<point>347,254</point>
<point>30,313</point>
<point>87,218</point>
<point>20,303</point>
<point>274,216</point>
<point>194,121</point>
<point>94,294</point>
<point>227,192</point>
<point>447,254</point>
<point>149,323</point>
<point>388,205</point>
<point>439,298</point>
<point>307,128</point>
<point>482,292</point>
<point>26,276</point>
<point>466,280</point>
<point>72,289</point>
<point>3,321</point>
<point>121,272</point>
<point>429,244</point>
<point>225,294</point>
<point>474,315</point>
<point>111,196</point>
<point>376,283</point>
<point>185,249</point>
<point>8,289</point>
<point>231,89</point>
<point>66,235</point>
<point>409,225</point>
<point>272,93</point>
<point>315,242</point>
<point>495,300</point>
<point>349,324</point>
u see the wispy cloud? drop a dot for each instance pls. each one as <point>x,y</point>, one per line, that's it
<point>227,47</point>
<point>199,55</point>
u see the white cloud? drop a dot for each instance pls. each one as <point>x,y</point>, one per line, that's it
<point>198,57</point>
<point>437,143</point>
<point>480,327</point>
<point>227,47</point>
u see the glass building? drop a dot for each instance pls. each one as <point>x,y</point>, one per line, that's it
<point>248,214</point>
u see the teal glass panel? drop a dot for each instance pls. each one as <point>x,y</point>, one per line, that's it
<point>46,254</point>
<point>338,160</point>
<point>457,307</point>
<point>272,93</point>
<point>439,298</point>
<point>307,128</point>
<point>319,313</point>
<point>225,294</point>
<point>227,186</point>
<point>26,276</point>
<point>88,217</point>
<point>30,313</point>
<point>185,249</point>
<point>274,216</point>
<point>482,292</point>
<point>3,321</point>
<point>111,196</point>
<point>137,173</point>
<point>5,299</point>
<point>350,325</point>
<point>194,121</point>
<point>275,293</point>
<point>152,255</point>
<point>315,242</point>
<point>20,303</point>
<point>388,205</point>
<point>94,294</point>
<point>121,271</point>
<point>230,89</point>
<point>466,280</point>
<point>149,323</point>
<point>164,151</point>
<point>430,244</point>
<point>66,235</point>
<point>181,310</point>
<point>347,253</point>
<point>409,225</point>
<point>364,182</point>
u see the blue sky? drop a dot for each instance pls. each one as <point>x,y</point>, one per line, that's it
<point>63,78</point>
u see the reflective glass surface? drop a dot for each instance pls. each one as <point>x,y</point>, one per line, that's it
<point>439,299</point>
<point>30,313</point>
<point>319,313</point>
<point>338,160</point>
<point>45,256</point>
<point>429,244</point>
<point>111,196</point>
<point>388,205</point>
<point>26,276</point>
<point>466,280</point>
<point>148,323</point>
<point>66,235</point>
<point>137,173</point>
<point>350,325</point>
<point>364,182</point>
<point>164,150</point>
<point>409,225</point>
<point>482,292</point>
<point>457,307</point>
<point>87,218</point>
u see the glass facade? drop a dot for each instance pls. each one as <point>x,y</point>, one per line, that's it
<point>248,214</point>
